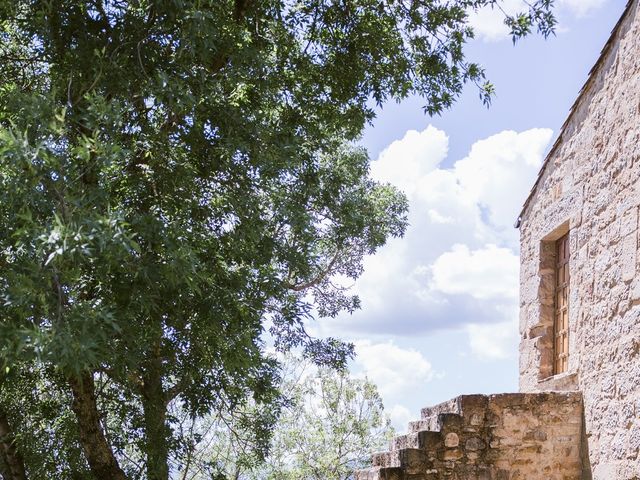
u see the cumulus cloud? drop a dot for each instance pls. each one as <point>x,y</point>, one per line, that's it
<point>405,160</point>
<point>400,417</point>
<point>488,23</point>
<point>487,273</point>
<point>422,282</point>
<point>396,371</point>
<point>582,7</point>
<point>499,169</point>
<point>494,341</point>
<point>456,267</point>
<point>392,368</point>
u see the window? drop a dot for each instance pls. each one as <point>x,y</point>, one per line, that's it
<point>561,306</point>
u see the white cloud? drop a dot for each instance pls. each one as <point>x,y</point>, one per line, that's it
<point>486,273</point>
<point>436,217</point>
<point>406,160</point>
<point>582,7</point>
<point>497,172</point>
<point>396,371</point>
<point>497,341</point>
<point>391,368</point>
<point>418,283</point>
<point>488,23</point>
<point>400,417</point>
<point>456,267</point>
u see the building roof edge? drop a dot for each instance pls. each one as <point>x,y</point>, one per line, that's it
<point>590,78</point>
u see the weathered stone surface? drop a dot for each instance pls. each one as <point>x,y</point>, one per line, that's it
<point>590,187</point>
<point>380,473</point>
<point>451,440</point>
<point>474,444</point>
<point>507,436</point>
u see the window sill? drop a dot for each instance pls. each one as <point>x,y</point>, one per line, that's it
<point>563,382</point>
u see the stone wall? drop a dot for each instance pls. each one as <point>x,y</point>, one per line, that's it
<point>496,437</point>
<point>591,187</point>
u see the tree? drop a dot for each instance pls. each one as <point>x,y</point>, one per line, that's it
<point>177,176</point>
<point>335,425</point>
<point>329,428</point>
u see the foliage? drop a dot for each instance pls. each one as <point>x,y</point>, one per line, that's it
<point>39,393</point>
<point>335,426</point>
<point>330,426</point>
<point>175,175</point>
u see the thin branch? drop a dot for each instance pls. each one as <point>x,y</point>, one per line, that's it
<point>239,12</point>
<point>140,59</point>
<point>299,287</point>
<point>9,454</point>
<point>240,9</point>
<point>189,453</point>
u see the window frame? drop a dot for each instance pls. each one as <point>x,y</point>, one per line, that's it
<point>561,305</point>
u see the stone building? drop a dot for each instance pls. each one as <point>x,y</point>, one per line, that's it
<point>577,415</point>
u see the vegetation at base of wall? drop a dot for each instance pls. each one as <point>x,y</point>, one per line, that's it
<point>177,180</point>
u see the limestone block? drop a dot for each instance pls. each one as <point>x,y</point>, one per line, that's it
<point>633,450</point>
<point>635,291</point>
<point>379,473</point>
<point>453,454</point>
<point>629,257</point>
<point>451,440</point>
<point>474,444</point>
<point>536,435</point>
<point>629,222</point>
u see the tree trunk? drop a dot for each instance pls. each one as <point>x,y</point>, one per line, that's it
<point>155,418</point>
<point>9,454</point>
<point>102,461</point>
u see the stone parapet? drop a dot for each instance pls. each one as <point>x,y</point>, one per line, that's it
<point>533,436</point>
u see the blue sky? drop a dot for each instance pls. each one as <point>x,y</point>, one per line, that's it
<point>439,312</point>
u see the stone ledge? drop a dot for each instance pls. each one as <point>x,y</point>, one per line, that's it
<point>565,382</point>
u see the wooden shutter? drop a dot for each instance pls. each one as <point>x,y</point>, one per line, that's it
<point>561,316</point>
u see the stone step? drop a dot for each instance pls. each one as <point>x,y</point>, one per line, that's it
<point>436,423</point>
<point>488,437</point>
<point>450,406</point>
<point>425,439</point>
<point>432,422</point>
<point>420,426</point>
<point>450,421</point>
<point>411,460</point>
<point>460,405</point>
<point>379,473</point>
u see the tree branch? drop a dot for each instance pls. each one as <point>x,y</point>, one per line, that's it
<point>176,390</point>
<point>101,459</point>
<point>9,454</point>
<point>239,12</point>
<point>298,287</point>
<point>240,9</point>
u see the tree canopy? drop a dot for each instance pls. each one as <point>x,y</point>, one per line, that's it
<point>178,182</point>
<point>331,424</point>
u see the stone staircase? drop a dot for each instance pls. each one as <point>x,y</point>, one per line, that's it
<point>488,437</point>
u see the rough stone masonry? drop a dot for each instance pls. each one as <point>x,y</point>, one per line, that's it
<point>589,188</point>
<point>578,416</point>
<point>512,436</point>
